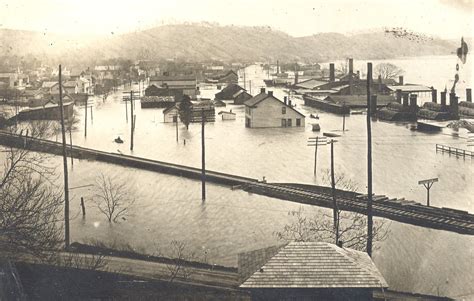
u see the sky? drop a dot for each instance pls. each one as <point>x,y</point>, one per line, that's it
<point>441,18</point>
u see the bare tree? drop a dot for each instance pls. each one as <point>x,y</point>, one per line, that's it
<point>388,71</point>
<point>352,226</point>
<point>342,68</point>
<point>113,198</point>
<point>30,206</point>
<point>179,267</point>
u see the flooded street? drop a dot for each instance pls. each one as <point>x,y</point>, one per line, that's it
<point>229,222</point>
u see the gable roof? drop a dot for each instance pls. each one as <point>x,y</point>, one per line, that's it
<point>316,265</point>
<point>49,84</point>
<point>310,83</point>
<point>262,96</point>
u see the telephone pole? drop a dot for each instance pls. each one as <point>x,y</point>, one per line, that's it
<point>66,185</point>
<point>335,209</point>
<point>316,141</point>
<point>203,147</point>
<point>369,163</point>
<point>133,118</point>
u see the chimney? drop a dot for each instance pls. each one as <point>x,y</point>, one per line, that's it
<point>278,67</point>
<point>358,74</point>
<point>262,90</point>
<point>380,83</point>
<point>296,77</point>
<point>285,100</point>
<point>468,95</point>
<point>443,100</point>
<point>453,105</point>
<point>289,102</point>
<point>270,93</point>
<point>405,99</point>
<point>400,80</point>
<point>332,75</point>
<point>373,104</point>
<point>399,95</point>
<point>351,66</point>
<point>434,95</point>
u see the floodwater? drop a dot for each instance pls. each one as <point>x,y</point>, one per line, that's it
<point>168,207</point>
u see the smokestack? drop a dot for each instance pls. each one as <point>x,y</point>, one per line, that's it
<point>262,90</point>
<point>332,75</point>
<point>289,102</point>
<point>399,95</point>
<point>468,95</point>
<point>380,83</point>
<point>453,105</point>
<point>400,80</point>
<point>270,93</point>
<point>285,99</point>
<point>278,67</point>
<point>351,66</point>
<point>443,99</point>
<point>373,104</point>
<point>296,77</point>
<point>434,95</point>
<point>405,99</point>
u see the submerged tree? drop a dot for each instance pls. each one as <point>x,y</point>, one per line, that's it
<point>30,206</point>
<point>113,198</point>
<point>387,71</point>
<point>352,226</point>
<point>185,110</point>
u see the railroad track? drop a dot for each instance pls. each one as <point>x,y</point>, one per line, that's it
<point>395,209</point>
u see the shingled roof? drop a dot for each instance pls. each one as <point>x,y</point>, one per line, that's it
<point>316,265</point>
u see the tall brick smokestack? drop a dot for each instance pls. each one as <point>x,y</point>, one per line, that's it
<point>332,73</point>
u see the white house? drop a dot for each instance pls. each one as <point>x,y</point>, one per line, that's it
<point>170,114</point>
<point>265,110</point>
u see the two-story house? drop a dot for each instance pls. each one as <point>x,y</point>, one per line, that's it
<point>265,110</point>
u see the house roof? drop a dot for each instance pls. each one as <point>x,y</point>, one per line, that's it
<point>173,78</point>
<point>69,83</point>
<point>316,265</point>
<point>49,84</point>
<point>170,108</point>
<point>310,83</point>
<point>410,88</point>
<point>262,96</point>
<point>359,100</point>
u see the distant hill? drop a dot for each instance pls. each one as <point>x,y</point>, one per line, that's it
<point>228,43</point>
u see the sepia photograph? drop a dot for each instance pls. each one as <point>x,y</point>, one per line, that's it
<point>242,150</point>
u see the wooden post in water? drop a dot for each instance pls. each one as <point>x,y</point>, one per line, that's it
<point>369,163</point>
<point>126,111</point>
<point>316,155</point>
<point>83,207</point>
<point>66,182</point>
<point>203,161</point>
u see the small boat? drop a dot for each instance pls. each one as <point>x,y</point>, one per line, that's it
<point>331,134</point>
<point>314,116</point>
<point>118,140</point>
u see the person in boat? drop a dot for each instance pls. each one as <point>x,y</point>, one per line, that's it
<point>118,140</point>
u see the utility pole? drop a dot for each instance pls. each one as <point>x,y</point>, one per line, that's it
<point>333,192</point>
<point>66,185</point>
<point>369,163</point>
<point>92,116</point>
<point>131,115</point>
<point>203,147</point>
<point>316,141</point>
<point>428,183</point>
<point>85,118</point>
<point>344,117</point>
<point>245,81</point>
<point>176,127</point>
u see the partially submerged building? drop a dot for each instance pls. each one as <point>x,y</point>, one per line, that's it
<point>234,93</point>
<point>265,110</point>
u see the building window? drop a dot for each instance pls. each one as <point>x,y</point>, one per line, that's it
<point>175,118</point>
<point>298,122</point>
<point>283,110</point>
<point>283,123</point>
<point>288,123</point>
